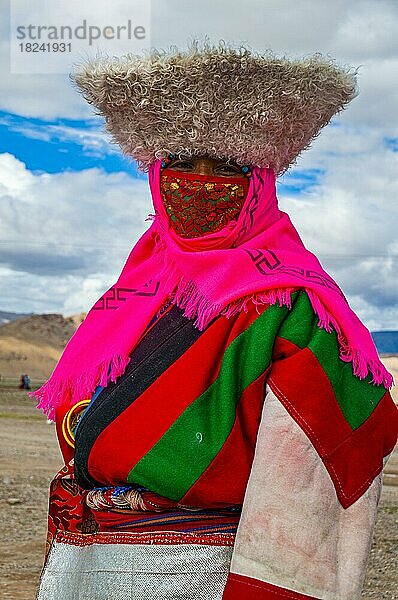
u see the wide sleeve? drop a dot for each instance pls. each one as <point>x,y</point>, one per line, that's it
<point>310,503</point>
<point>295,539</point>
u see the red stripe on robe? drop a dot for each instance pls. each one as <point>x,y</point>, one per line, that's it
<point>233,462</point>
<point>240,587</point>
<point>164,401</point>
<point>353,458</point>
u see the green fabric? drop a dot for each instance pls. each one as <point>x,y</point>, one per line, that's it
<point>192,442</point>
<point>196,437</point>
<point>357,397</point>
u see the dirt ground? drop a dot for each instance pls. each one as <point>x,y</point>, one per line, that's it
<point>29,457</point>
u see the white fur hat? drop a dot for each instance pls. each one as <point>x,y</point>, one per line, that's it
<point>221,101</point>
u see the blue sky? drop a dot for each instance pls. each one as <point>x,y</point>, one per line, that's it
<point>71,206</point>
<point>60,144</point>
<point>54,146</point>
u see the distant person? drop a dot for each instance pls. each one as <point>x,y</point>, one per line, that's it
<point>26,382</point>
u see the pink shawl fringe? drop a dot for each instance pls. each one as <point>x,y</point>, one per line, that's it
<point>208,276</point>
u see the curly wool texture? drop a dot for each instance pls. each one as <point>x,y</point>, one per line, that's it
<point>221,101</point>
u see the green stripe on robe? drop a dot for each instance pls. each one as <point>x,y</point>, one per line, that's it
<point>357,398</point>
<point>199,433</point>
<point>189,446</point>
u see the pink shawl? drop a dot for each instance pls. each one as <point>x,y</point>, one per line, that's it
<point>258,258</point>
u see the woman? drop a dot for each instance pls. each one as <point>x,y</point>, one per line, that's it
<point>223,413</point>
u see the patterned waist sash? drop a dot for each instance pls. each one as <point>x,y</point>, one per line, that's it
<point>130,508</point>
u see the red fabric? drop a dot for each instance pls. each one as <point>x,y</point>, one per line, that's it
<point>235,458</point>
<point>67,509</point>
<point>240,587</point>
<point>66,450</point>
<point>200,204</point>
<point>359,458</point>
<point>166,521</point>
<point>353,458</point>
<point>113,456</point>
<point>301,379</point>
<point>149,537</point>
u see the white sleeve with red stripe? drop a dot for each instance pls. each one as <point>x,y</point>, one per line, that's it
<point>294,539</point>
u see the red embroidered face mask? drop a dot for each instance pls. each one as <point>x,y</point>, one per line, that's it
<point>201,204</point>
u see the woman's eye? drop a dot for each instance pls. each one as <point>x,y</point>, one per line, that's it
<point>226,169</point>
<point>185,165</point>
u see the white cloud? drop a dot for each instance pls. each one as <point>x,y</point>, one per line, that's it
<point>371,315</point>
<point>350,220</point>
<point>357,32</point>
<point>92,140</point>
<point>66,235</point>
<point>72,233</point>
<point>49,96</point>
<point>368,30</point>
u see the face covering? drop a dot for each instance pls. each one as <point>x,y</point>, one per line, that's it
<point>197,205</point>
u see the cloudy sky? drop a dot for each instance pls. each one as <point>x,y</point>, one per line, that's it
<point>71,207</point>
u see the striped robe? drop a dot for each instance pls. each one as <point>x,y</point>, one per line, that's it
<point>257,413</point>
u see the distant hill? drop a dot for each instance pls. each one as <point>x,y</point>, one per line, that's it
<point>6,316</point>
<point>33,344</point>
<point>386,341</point>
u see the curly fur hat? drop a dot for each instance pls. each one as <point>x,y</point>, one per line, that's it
<point>217,100</point>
